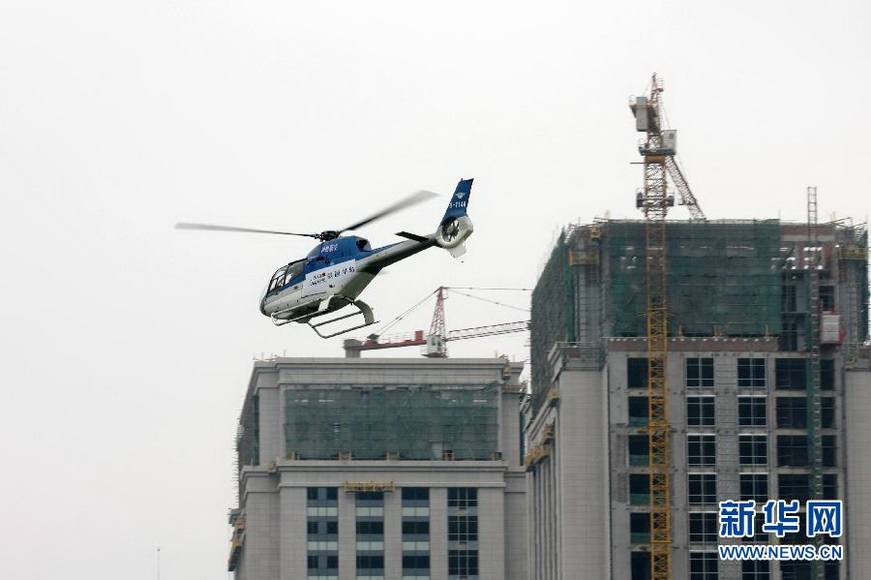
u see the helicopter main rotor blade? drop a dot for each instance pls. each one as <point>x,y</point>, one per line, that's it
<point>217,228</point>
<point>407,201</point>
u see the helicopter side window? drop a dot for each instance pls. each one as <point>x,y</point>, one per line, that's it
<point>294,269</point>
<point>363,245</point>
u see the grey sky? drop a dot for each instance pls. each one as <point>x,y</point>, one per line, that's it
<point>125,346</point>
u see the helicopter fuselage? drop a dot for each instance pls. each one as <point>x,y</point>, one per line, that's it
<point>336,271</point>
<point>342,267</point>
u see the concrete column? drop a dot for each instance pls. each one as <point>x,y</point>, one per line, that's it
<point>582,497</point>
<point>393,535</point>
<point>516,560</point>
<point>271,440</point>
<point>347,535</point>
<point>491,533</point>
<point>261,536</point>
<point>292,532</point>
<point>438,532</point>
<point>857,410</point>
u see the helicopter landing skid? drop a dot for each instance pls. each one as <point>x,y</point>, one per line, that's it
<point>362,309</point>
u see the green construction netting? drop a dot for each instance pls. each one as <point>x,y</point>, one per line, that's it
<point>552,313</point>
<point>723,278</point>
<point>422,422</point>
<point>248,433</point>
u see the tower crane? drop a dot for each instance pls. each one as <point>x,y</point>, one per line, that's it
<point>433,343</point>
<point>661,147</point>
<point>654,200</point>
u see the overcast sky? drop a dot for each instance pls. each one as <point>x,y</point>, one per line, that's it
<point>126,346</point>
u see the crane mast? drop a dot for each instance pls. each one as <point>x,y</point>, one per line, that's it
<point>654,201</point>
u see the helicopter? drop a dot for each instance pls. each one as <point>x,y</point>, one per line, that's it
<point>336,271</point>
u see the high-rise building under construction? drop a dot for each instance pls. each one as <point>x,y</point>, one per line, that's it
<point>766,371</point>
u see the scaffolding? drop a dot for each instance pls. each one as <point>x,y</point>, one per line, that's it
<point>725,278</point>
<point>553,315</point>
<point>410,422</point>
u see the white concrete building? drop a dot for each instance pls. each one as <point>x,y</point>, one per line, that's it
<point>395,469</point>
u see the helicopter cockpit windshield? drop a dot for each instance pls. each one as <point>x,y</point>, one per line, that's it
<point>277,280</point>
<point>285,275</point>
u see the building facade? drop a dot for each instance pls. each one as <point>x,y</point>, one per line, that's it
<point>380,469</point>
<point>768,374</point>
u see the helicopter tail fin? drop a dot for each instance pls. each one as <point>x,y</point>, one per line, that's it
<point>456,226</point>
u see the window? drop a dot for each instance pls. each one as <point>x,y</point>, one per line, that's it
<point>639,411</point>
<point>792,412</point>
<point>793,486</point>
<point>322,495</point>
<point>370,562</point>
<point>415,562</point>
<point>323,565</point>
<point>795,570</point>
<point>755,570</point>
<point>759,537</point>
<point>412,494</point>
<point>789,334</point>
<point>830,486</point>
<point>700,411</point>
<point>277,280</point>
<point>639,527</point>
<point>754,486</point>
<point>463,528</point>
<point>370,527</point>
<point>639,489</point>
<point>639,449</point>
<point>703,527</point>
<point>640,563</point>
<point>700,372</point>
<point>462,563</point>
<point>792,451</point>
<point>790,373</point>
<point>701,449</point>
<point>751,373</point>
<point>703,566</point>
<point>830,451</point>
<point>827,298</point>
<point>702,488</point>
<point>294,269</point>
<point>827,375</point>
<point>788,300</point>
<point>462,497</point>
<point>415,532</point>
<point>751,412</point>
<point>828,412</point>
<point>415,528</point>
<point>636,373</point>
<point>753,449</point>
